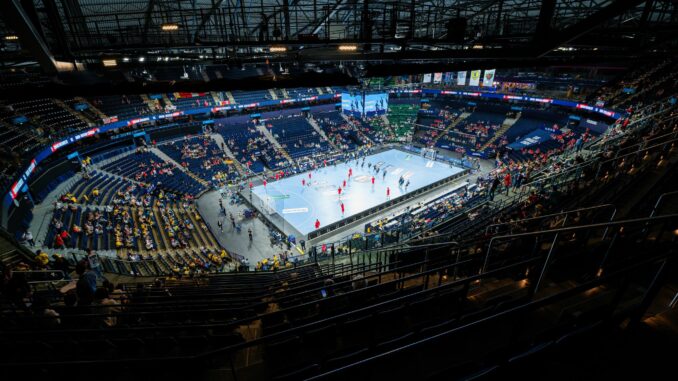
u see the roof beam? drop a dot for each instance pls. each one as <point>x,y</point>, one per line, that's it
<point>586,25</point>
<point>206,19</point>
<point>147,19</point>
<point>546,12</point>
<point>321,24</point>
<point>15,16</point>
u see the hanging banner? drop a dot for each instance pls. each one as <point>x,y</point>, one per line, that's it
<point>461,78</point>
<point>488,78</point>
<point>475,78</point>
<point>427,78</point>
<point>437,77</point>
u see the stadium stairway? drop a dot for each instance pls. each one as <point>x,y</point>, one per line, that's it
<point>269,136</point>
<point>285,94</point>
<point>320,132</point>
<point>215,96</point>
<point>91,107</point>
<point>11,253</point>
<point>355,128</point>
<point>230,97</point>
<point>101,161</point>
<point>505,126</point>
<point>152,104</point>
<point>387,125</point>
<point>452,125</point>
<point>42,212</point>
<point>219,140</point>
<point>274,96</point>
<point>167,101</point>
<point>168,159</point>
<point>76,114</point>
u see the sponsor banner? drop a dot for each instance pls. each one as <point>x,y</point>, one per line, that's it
<point>488,78</point>
<point>475,78</point>
<point>295,210</point>
<point>533,138</point>
<point>188,95</point>
<point>461,78</point>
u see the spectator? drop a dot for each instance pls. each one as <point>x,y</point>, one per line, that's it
<point>47,317</point>
<point>493,187</point>
<point>60,264</point>
<point>101,298</point>
<point>16,289</point>
<point>28,237</point>
<point>87,283</point>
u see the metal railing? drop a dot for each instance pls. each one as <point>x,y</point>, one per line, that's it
<point>643,222</point>
<point>565,215</point>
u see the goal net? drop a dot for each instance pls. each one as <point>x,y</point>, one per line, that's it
<point>428,153</point>
<point>267,204</point>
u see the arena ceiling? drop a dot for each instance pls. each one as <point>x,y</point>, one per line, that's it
<point>385,32</point>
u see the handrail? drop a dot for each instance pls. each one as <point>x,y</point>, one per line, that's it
<point>533,304</point>
<point>237,322</point>
<point>376,306</point>
<point>632,128</point>
<point>510,311</point>
<point>461,213</point>
<point>593,159</point>
<point>639,150</point>
<point>256,341</point>
<point>574,228</point>
<point>541,176</point>
<point>659,200</point>
<point>487,228</point>
<point>56,272</point>
<point>645,141</point>
<point>598,161</point>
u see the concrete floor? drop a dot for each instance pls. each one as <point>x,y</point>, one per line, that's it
<point>231,239</point>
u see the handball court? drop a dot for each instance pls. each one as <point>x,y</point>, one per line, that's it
<point>299,201</point>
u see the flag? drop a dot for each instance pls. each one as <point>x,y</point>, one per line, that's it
<point>461,78</point>
<point>488,78</point>
<point>188,95</point>
<point>475,78</point>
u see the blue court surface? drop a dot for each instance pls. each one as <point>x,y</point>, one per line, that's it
<point>300,205</point>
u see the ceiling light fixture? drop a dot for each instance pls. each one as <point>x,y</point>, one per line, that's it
<point>348,48</point>
<point>169,27</point>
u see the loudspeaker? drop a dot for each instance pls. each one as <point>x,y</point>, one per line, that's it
<point>456,30</point>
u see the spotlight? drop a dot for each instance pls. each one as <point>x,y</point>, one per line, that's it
<point>142,59</point>
<point>169,27</point>
<point>348,48</point>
